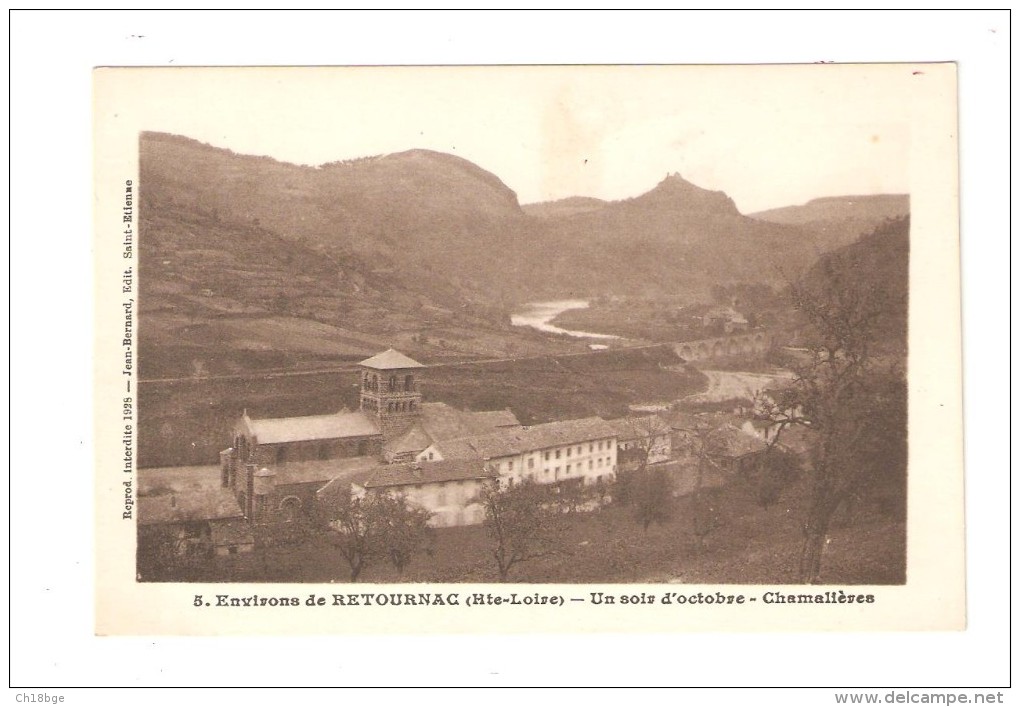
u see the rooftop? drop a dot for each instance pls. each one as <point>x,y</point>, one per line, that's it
<point>427,473</point>
<point>388,360</point>
<point>312,427</point>
<point>508,442</point>
<point>439,422</point>
<point>188,506</point>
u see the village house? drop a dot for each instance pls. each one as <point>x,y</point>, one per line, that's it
<point>727,319</point>
<point>438,422</point>
<point>568,450</point>
<point>449,489</point>
<point>185,507</point>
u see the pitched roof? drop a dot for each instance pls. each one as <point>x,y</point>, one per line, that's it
<point>390,359</point>
<point>154,481</point>
<point>414,440</point>
<point>495,418</point>
<point>312,427</point>
<point>186,506</point>
<point>509,442</point>
<point>427,473</point>
<point>439,422</point>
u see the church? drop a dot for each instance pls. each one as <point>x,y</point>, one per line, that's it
<point>276,466</point>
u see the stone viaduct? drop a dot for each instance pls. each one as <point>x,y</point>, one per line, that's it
<point>750,343</point>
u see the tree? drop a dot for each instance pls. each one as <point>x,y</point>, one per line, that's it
<point>519,521</point>
<point>705,445</point>
<point>274,536</point>
<point>852,391</point>
<point>651,495</point>
<point>773,473</point>
<point>403,529</point>
<point>352,522</point>
<point>377,525</point>
<point>648,489</point>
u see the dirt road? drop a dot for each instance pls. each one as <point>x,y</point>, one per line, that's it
<point>727,385</point>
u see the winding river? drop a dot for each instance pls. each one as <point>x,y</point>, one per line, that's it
<point>539,315</point>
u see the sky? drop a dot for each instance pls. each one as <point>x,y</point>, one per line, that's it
<point>768,136</point>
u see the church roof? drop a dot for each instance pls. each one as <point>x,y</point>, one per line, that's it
<point>414,440</point>
<point>313,427</point>
<point>390,359</point>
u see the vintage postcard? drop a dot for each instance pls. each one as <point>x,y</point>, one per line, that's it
<point>544,348</point>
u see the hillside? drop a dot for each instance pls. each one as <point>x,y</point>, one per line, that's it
<point>252,264</point>
<point>840,220</point>
<point>441,219</point>
<point>675,238</point>
<point>875,271</point>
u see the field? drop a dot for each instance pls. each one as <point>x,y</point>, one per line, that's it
<point>187,422</point>
<point>752,546</point>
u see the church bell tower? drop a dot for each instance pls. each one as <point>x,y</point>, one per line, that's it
<point>391,391</point>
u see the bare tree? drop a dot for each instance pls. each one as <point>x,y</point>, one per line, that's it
<point>519,521</point>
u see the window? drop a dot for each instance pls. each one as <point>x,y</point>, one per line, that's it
<point>557,454</point>
<point>568,451</point>
<point>531,462</point>
<point>590,465</point>
<point>578,449</point>
<point>600,446</point>
<point>430,456</point>
<point>281,455</point>
<point>591,448</point>
<point>290,508</point>
<point>547,456</point>
<point>568,469</point>
<point>510,465</point>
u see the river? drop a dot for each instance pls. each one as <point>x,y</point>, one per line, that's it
<point>539,315</point>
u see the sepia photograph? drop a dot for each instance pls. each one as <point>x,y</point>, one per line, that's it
<point>636,325</point>
<point>510,349</point>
